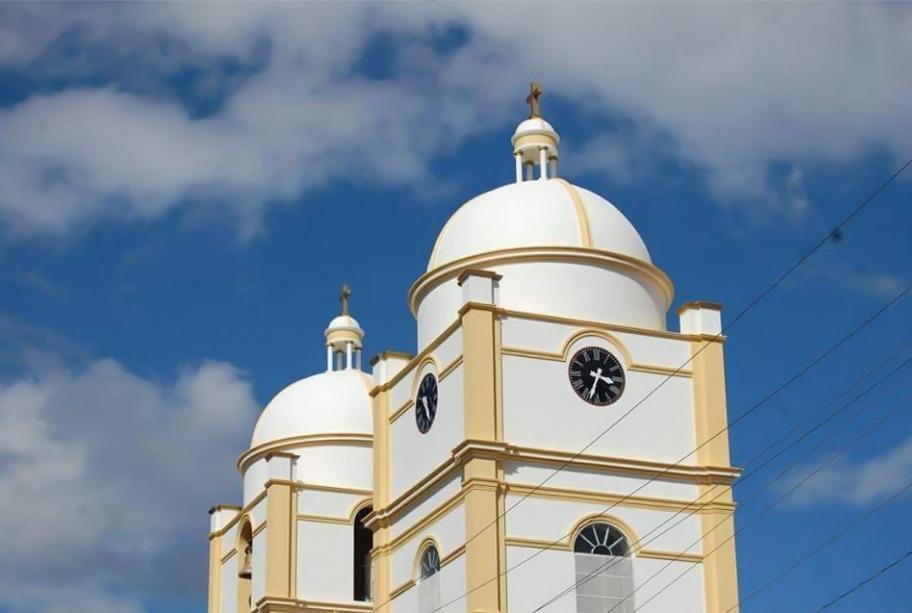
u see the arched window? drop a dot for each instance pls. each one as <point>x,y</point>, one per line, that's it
<point>429,580</point>
<point>245,566</point>
<point>364,541</point>
<point>604,570</point>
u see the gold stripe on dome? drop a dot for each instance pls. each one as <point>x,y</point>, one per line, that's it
<point>582,216</point>
<point>356,439</point>
<point>540,254</point>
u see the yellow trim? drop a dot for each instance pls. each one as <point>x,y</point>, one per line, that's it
<point>358,439</point>
<point>600,325</point>
<point>399,591</point>
<point>440,374</point>
<point>564,545</point>
<point>402,410</point>
<point>422,524</point>
<point>480,350</point>
<point>367,502</point>
<point>444,560</point>
<point>390,353</point>
<point>503,453</point>
<point>563,355</point>
<point>699,304</point>
<point>380,560</point>
<point>272,604</point>
<point>418,359</point>
<point>280,520</point>
<point>582,216</point>
<point>693,558</point>
<point>324,519</point>
<point>426,542</point>
<point>633,541</point>
<point>618,500</point>
<point>215,575</point>
<point>334,489</point>
<point>242,586</point>
<point>585,255</point>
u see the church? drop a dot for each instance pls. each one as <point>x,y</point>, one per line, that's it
<point>550,444</point>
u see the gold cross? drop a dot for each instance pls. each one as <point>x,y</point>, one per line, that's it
<point>343,298</point>
<point>535,92</point>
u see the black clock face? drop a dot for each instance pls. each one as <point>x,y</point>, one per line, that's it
<point>596,376</point>
<point>426,403</point>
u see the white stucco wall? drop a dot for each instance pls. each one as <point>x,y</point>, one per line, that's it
<point>258,581</point>
<point>541,410</point>
<point>325,562</point>
<point>598,481</point>
<point>538,579</point>
<point>551,520</point>
<point>413,454</point>
<point>228,586</point>
<point>449,533</point>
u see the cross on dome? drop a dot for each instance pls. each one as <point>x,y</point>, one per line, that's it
<point>535,141</point>
<point>535,92</point>
<point>343,298</point>
<point>344,337</point>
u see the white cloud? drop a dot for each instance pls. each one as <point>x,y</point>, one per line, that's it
<point>731,89</point>
<point>105,478</point>
<point>855,483</point>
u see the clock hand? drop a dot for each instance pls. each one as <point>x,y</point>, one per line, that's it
<point>597,375</point>
<point>427,412</point>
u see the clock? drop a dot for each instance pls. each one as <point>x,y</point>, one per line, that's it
<point>426,403</point>
<point>596,376</point>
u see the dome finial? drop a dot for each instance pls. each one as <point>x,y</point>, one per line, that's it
<point>535,141</point>
<point>344,296</point>
<point>344,337</point>
<point>535,92</point>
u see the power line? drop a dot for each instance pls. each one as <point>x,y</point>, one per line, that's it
<point>782,277</point>
<point>869,579</point>
<point>665,471</point>
<point>643,541</point>
<point>773,504</point>
<point>824,544</point>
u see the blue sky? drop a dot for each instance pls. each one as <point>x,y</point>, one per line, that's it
<point>184,188</point>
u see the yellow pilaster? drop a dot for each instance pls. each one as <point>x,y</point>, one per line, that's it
<point>280,528</point>
<point>485,547</point>
<point>708,368</point>
<point>215,573</point>
<point>720,574</point>
<point>380,562</point>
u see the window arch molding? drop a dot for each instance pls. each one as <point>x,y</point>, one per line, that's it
<point>580,335</point>
<point>243,540</point>
<point>426,543</point>
<point>428,365</point>
<point>633,542</point>
<point>358,507</point>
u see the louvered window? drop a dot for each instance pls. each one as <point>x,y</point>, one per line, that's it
<point>604,570</point>
<point>429,580</point>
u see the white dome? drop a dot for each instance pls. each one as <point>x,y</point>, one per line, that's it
<point>533,125</point>
<point>331,402</point>
<point>559,250</point>
<point>343,322</point>
<point>551,213</point>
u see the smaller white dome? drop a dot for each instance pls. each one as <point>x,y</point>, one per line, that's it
<point>534,125</point>
<point>344,322</point>
<point>331,402</point>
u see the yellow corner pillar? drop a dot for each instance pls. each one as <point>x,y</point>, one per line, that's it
<point>380,561</point>
<point>485,547</point>
<point>717,524</point>
<point>281,527</point>
<point>215,573</point>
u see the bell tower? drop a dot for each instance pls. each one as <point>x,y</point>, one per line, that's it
<point>552,441</point>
